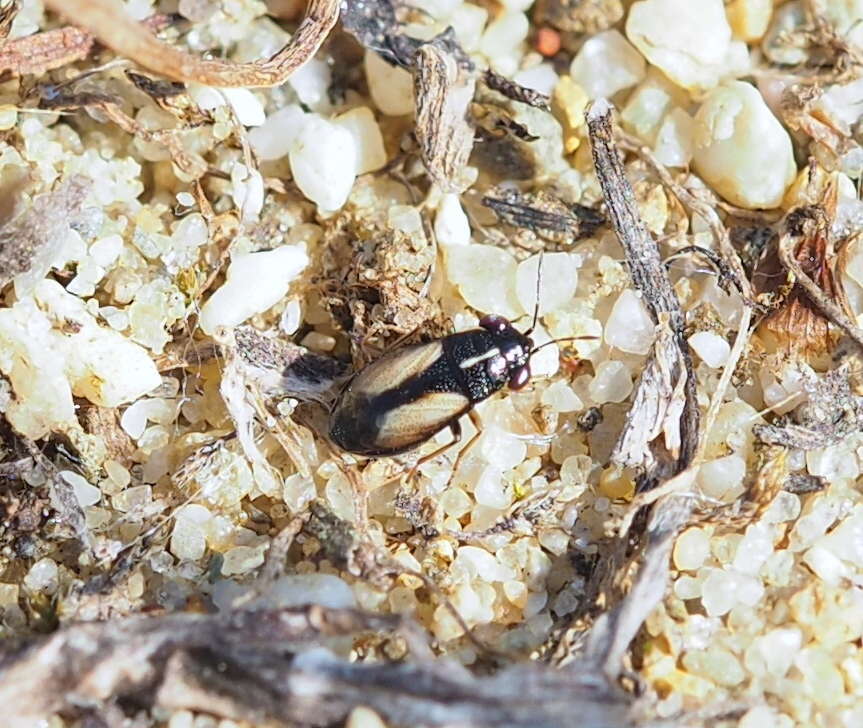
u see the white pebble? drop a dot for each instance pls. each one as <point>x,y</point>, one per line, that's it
<point>629,326</point>
<point>826,565</point>
<point>43,577</point>
<point>311,81</point>
<point>755,548</point>
<point>846,540</point>
<point>776,650</point>
<point>689,40</point>
<point>242,559</point>
<point>469,21</point>
<point>557,287</point>
<point>247,189</point>
<point>188,538</point>
<point>295,590</point>
<point>711,348</point>
<point>485,276</point>
<point>490,491</point>
<point>391,88</point>
<point>324,160</point>
<point>691,549</point>
<point>649,103</point>
<point>561,398</point>
<point>611,383</point>
<point>246,105</point>
<point>255,281</point>
<point>451,226</point>
<point>273,139</point>
<point>101,365</point>
<point>362,717</point>
<point>542,78</point>
<point>369,141</point>
<point>717,593</point>
<point>503,35</point>
<point>607,63</point>
<point>105,251</point>
<point>480,564</point>
<point>87,494</point>
<point>675,140</point>
<point>717,477</point>
<point>741,149</point>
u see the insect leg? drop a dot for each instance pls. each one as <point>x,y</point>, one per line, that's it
<point>455,429</point>
<point>477,423</point>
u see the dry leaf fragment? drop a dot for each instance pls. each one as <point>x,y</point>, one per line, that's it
<point>443,93</point>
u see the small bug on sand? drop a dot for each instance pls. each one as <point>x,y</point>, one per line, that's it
<point>409,395</point>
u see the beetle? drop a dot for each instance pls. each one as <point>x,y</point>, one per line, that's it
<point>410,394</point>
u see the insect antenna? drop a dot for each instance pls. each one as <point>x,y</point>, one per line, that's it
<point>557,341</point>
<point>538,291</point>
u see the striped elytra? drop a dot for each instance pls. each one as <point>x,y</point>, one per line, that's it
<point>410,394</point>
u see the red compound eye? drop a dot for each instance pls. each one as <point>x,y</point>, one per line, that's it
<point>493,322</point>
<point>519,377</point>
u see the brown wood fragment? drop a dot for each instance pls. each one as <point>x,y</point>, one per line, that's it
<point>669,361</point>
<point>443,94</point>
<point>113,28</point>
<point>45,51</point>
<point>257,663</point>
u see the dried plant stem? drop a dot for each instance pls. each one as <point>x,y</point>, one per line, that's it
<point>669,367</point>
<point>106,21</point>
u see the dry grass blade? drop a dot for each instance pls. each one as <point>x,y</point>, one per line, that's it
<point>112,27</point>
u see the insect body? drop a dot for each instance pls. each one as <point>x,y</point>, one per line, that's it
<point>412,393</point>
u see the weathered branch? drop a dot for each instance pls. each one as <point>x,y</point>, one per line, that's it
<point>113,28</point>
<point>268,665</point>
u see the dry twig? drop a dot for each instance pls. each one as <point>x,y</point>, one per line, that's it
<point>112,27</point>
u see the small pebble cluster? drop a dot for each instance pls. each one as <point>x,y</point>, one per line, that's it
<point>763,618</point>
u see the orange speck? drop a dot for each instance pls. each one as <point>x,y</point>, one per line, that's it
<point>547,41</point>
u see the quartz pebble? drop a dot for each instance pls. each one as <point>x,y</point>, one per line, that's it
<point>324,160</point>
<point>560,397</point>
<point>451,226</point>
<point>86,493</point>
<point>361,123</point>
<point>485,276</point>
<point>675,140</point>
<point>188,539</point>
<point>647,105</point>
<point>691,549</point>
<point>607,63</point>
<point>711,348</point>
<point>362,717</point>
<point>689,40</point>
<point>42,577</point>
<point>274,138</point>
<point>391,88</point>
<point>741,149</point>
<point>611,383</point>
<point>254,282</point>
<point>559,279</point>
<point>749,19</point>
<point>629,326</point>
